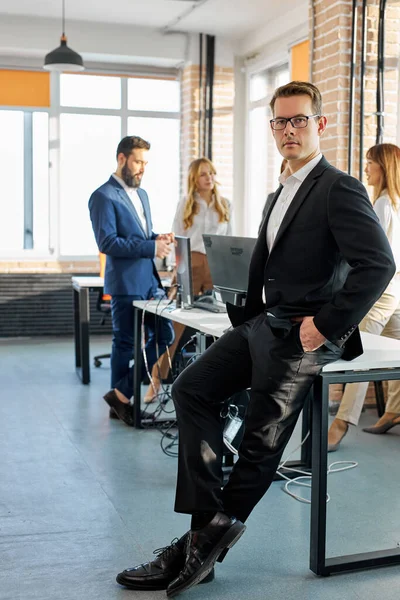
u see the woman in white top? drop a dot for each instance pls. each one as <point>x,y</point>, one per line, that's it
<point>203,210</point>
<point>383,173</point>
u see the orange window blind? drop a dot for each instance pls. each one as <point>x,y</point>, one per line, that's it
<point>24,88</point>
<point>300,63</point>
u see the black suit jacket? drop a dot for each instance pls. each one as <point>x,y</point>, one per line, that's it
<point>330,259</point>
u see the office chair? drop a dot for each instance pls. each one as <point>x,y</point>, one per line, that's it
<point>103,305</point>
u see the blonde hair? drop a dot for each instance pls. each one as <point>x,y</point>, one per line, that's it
<point>191,207</point>
<point>387,156</point>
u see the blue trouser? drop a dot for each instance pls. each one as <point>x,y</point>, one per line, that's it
<point>158,331</point>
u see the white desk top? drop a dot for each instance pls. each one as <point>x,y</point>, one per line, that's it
<point>90,281</point>
<point>202,320</point>
<point>379,352</point>
<point>94,281</point>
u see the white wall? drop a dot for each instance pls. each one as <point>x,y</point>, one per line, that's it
<point>32,37</point>
<point>27,40</point>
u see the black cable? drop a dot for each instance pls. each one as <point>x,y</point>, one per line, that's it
<point>172,441</point>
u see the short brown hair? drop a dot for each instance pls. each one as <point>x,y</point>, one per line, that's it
<point>299,88</point>
<point>129,143</point>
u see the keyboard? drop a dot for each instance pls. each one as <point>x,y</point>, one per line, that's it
<point>207,304</point>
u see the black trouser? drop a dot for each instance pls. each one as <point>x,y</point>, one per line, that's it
<point>268,360</point>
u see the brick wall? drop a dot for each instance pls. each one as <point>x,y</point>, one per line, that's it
<point>331,73</point>
<point>192,137</point>
<point>38,266</point>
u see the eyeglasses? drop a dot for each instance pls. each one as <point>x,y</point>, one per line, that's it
<point>296,122</point>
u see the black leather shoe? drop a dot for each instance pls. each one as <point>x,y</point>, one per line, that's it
<point>158,574</point>
<point>113,414</point>
<point>123,410</point>
<point>203,547</point>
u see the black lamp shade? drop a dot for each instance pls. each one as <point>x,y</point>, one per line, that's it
<point>63,59</point>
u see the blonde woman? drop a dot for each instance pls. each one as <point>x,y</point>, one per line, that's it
<point>383,173</point>
<point>203,210</point>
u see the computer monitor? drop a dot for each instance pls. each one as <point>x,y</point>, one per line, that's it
<point>229,261</point>
<point>184,269</point>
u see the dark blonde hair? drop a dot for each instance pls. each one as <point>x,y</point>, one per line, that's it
<point>191,205</point>
<point>299,88</point>
<point>387,156</point>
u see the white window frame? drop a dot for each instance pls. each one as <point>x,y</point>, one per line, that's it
<point>55,110</point>
<point>274,62</point>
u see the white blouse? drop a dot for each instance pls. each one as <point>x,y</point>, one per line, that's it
<point>206,221</point>
<point>389,218</point>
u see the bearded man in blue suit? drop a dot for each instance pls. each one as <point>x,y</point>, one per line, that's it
<point>121,220</point>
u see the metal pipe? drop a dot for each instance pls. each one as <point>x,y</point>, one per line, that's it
<point>211,54</point>
<point>199,152</point>
<point>380,97</point>
<point>362,82</point>
<point>205,101</point>
<point>352,85</point>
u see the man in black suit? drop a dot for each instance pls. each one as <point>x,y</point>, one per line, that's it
<point>322,260</point>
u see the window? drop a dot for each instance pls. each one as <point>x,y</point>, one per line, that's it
<point>264,160</point>
<point>87,159</point>
<point>153,95</point>
<point>12,169</point>
<point>40,182</point>
<point>90,91</point>
<point>161,179</point>
<point>24,209</point>
<point>53,158</point>
<point>88,143</point>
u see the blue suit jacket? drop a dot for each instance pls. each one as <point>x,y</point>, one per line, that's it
<point>130,268</point>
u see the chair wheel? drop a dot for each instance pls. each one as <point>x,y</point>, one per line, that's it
<point>97,362</point>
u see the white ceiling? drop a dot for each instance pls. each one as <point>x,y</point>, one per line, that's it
<point>233,19</point>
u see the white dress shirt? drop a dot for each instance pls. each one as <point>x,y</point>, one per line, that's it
<point>206,221</point>
<point>389,218</point>
<point>291,184</point>
<point>136,201</point>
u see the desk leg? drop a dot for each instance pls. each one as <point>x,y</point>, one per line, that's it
<point>84,334</point>
<point>137,366</point>
<point>306,426</point>
<point>319,448</point>
<point>77,331</point>
<point>319,564</point>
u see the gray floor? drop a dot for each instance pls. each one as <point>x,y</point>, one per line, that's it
<point>82,497</point>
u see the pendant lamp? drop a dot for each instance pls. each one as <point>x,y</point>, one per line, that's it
<point>63,58</point>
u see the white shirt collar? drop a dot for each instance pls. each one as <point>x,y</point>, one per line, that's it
<point>302,173</point>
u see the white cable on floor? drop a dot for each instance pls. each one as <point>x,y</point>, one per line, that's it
<point>348,464</point>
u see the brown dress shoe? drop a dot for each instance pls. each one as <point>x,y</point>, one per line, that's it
<point>122,410</point>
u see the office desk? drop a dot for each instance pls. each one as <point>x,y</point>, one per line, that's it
<point>380,362</point>
<point>81,287</point>
<point>201,320</point>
